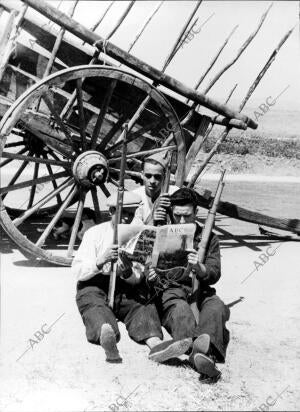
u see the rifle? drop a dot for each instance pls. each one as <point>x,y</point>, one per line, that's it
<point>165,189</point>
<point>206,232</point>
<point>166,185</point>
<point>119,206</point>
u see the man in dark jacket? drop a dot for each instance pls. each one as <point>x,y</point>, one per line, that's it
<point>210,336</point>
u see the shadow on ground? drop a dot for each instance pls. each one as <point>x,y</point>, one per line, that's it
<point>34,227</point>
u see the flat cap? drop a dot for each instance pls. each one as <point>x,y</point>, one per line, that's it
<point>129,200</point>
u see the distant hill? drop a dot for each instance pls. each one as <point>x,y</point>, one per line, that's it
<point>276,123</point>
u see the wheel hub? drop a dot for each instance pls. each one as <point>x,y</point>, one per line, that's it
<point>90,168</point>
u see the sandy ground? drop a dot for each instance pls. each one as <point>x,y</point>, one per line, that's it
<point>59,371</point>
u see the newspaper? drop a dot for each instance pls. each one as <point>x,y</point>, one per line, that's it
<point>163,247</point>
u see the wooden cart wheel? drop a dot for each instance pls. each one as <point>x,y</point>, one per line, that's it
<point>60,145</point>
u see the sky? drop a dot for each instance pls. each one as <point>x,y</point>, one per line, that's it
<point>191,61</point>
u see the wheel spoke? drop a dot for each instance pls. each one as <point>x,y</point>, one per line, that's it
<point>42,202</point>
<point>56,217</point>
<point>14,144</point>
<point>135,160</point>
<point>96,204</point>
<point>59,146</point>
<point>127,172</point>
<point>104,189</point>
<point>143,153</point>
<point>16,176</point>
<point>114,182</point>
<point>116,127</point>
<point>51,153</point>
<point>28,183</point>
<point>81,113</point>
<point>101,115</point>
<point>33,187</point>
<point>54,184</point>
<point>58,119</point>
<point>131,122</point>
<point>76,224</point>
<point>132,136</point>
<point>66,111</point>
<point>12,158</point>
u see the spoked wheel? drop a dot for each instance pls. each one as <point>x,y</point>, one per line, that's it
<point>61,144</point>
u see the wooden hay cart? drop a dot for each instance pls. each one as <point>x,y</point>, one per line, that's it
<point>63,105</point>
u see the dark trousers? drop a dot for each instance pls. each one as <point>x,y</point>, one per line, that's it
<point>141,319</point>
<point>178,319</point>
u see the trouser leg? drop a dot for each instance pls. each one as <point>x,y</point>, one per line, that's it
<point>94,310</point>
<point>212,320</point>
<point>178,318</point>
<point>176,314</point>
<point>141,320</point>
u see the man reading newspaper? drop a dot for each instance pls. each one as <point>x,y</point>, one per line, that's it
<point>210,337</point>
<point>92,267</point>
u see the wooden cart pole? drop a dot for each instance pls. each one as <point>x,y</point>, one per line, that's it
<point>98,22</point>
<point>215,58</point>
<point>58,41</point>
<point>56,46</point>
<point>145,24</point>
<point>224,134</point>
<point>206,232</point>
<point>120,21</point>
<point>9,37</point>
<point>201,136</point>
<point>113,276</point>
<point>68,106</point>
<point>240,51</point>
<point>181,35</point>
<point>195,105</point>
<point>130,61</point>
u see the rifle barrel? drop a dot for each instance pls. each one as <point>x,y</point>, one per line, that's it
<point>113,276</point>
<point>209,224</point>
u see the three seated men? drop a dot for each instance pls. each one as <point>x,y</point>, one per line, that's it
<point>135,304</point>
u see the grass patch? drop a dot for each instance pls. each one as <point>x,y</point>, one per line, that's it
<point>257,145</point>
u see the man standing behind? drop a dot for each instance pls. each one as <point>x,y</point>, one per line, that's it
<point>154,171</point>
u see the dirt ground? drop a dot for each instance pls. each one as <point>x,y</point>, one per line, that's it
<point>47,364</point>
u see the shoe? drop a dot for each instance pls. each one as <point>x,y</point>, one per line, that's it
<point>169,349</point>
<point>206,367</point>
<point>206,379</point>
<point>109,344</point>
<point>200,345</point>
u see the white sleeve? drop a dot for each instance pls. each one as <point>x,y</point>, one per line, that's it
<point>139,214</point>
<point>84,264</point>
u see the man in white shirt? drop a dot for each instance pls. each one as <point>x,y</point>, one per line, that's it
<point>154,169</point>
<point>92,265</point>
